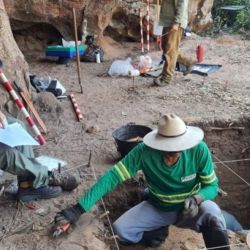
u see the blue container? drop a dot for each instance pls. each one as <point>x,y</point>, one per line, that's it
<point>61,51</point>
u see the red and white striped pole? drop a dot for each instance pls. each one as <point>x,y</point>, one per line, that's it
<point>20,105</point>
<point>76,108</point>
<point>148,26</point>
<point>141,25</point>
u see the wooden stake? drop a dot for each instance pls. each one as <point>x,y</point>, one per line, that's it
<point>77,51</point>
<point>27,99</point>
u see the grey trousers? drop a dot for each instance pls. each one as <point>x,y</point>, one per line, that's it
<point>20,161</point>
<point>144,217</point>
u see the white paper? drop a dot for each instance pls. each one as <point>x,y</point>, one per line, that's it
<point>50,162</point>
<point>15,135</point>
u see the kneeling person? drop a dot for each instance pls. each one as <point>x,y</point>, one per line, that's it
<point>182,183</point>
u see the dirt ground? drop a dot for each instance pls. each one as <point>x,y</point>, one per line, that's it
<point>108,103</point>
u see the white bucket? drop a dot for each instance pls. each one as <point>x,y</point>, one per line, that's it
<point>157,29</point>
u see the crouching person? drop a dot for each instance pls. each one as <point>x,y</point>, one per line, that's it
<point>182,184</point>
<point>34,180</point>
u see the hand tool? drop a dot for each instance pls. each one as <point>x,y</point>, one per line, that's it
<point>58,230</point>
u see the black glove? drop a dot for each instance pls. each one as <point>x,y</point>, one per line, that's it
<point>69,215</point>
<point>191,207</point>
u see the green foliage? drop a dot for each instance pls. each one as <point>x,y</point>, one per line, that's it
<point>233,20</point>
<point>243,19</point>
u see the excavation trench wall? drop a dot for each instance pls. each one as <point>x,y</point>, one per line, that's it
<point>228,142</point>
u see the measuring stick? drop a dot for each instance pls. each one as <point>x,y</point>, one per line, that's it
<point>141,26</point>
<point>76,108</point>
<point>20,105</point>
<point>148,26</point>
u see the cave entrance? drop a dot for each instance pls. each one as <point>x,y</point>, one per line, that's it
<point>230,145</point>
<point>32,38</point>
<point>123,27</point>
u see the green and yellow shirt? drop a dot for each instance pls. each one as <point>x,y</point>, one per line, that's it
<point>192,174</point>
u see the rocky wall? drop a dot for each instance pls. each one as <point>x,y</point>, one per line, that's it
<point>98,13</point>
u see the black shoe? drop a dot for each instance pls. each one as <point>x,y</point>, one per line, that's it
<point>154,243</point>
<point>65,180</point>
<point>189,68</point>
<point>161,81</point>
<point>156,237</point>
<point>46,192</point>
<point>214,236</point>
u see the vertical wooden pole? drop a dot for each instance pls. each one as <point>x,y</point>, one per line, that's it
<point>77,51</point>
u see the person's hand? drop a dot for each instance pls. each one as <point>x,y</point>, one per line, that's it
<point>191,207</point>
<point>175,27</point>
<point>2,120</point>
<point>69,215</point>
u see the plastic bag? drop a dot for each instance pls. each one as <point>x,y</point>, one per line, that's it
<point>145,63</point>
<point>91,52</point>
<point>70,43</point>
<point>47,84</point>
<point>121,67</point>
<point>157,28</point>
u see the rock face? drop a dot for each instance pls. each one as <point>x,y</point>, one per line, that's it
<point>200,14</point>
<point>15,66</point>
<point>111,16</point>
<point>24,14</point>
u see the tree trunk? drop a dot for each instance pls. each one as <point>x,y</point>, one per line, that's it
<point>14,65</point>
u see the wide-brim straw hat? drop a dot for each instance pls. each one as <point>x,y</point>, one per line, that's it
<point>173,135</point>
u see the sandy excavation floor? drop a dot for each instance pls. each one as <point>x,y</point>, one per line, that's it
<point>108,103</point>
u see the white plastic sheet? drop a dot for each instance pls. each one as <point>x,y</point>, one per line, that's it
<point>121,67</point>
<point>15,135</point>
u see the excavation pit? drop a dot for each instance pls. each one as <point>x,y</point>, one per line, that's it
<point>230,146</point>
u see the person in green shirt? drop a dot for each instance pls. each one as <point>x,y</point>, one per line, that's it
<point>181,182</point>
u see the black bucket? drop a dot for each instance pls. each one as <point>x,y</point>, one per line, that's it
<point>128,136</point>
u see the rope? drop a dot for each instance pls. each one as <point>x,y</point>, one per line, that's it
<point>230,245</point>
<point>231,161</point>
<point>231,170</point>
<point>104,206</point>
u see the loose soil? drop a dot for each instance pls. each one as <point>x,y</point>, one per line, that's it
<point>220,100</point>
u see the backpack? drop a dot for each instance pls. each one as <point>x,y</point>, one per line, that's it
<point>91,50</point>
<point>90,53</point>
